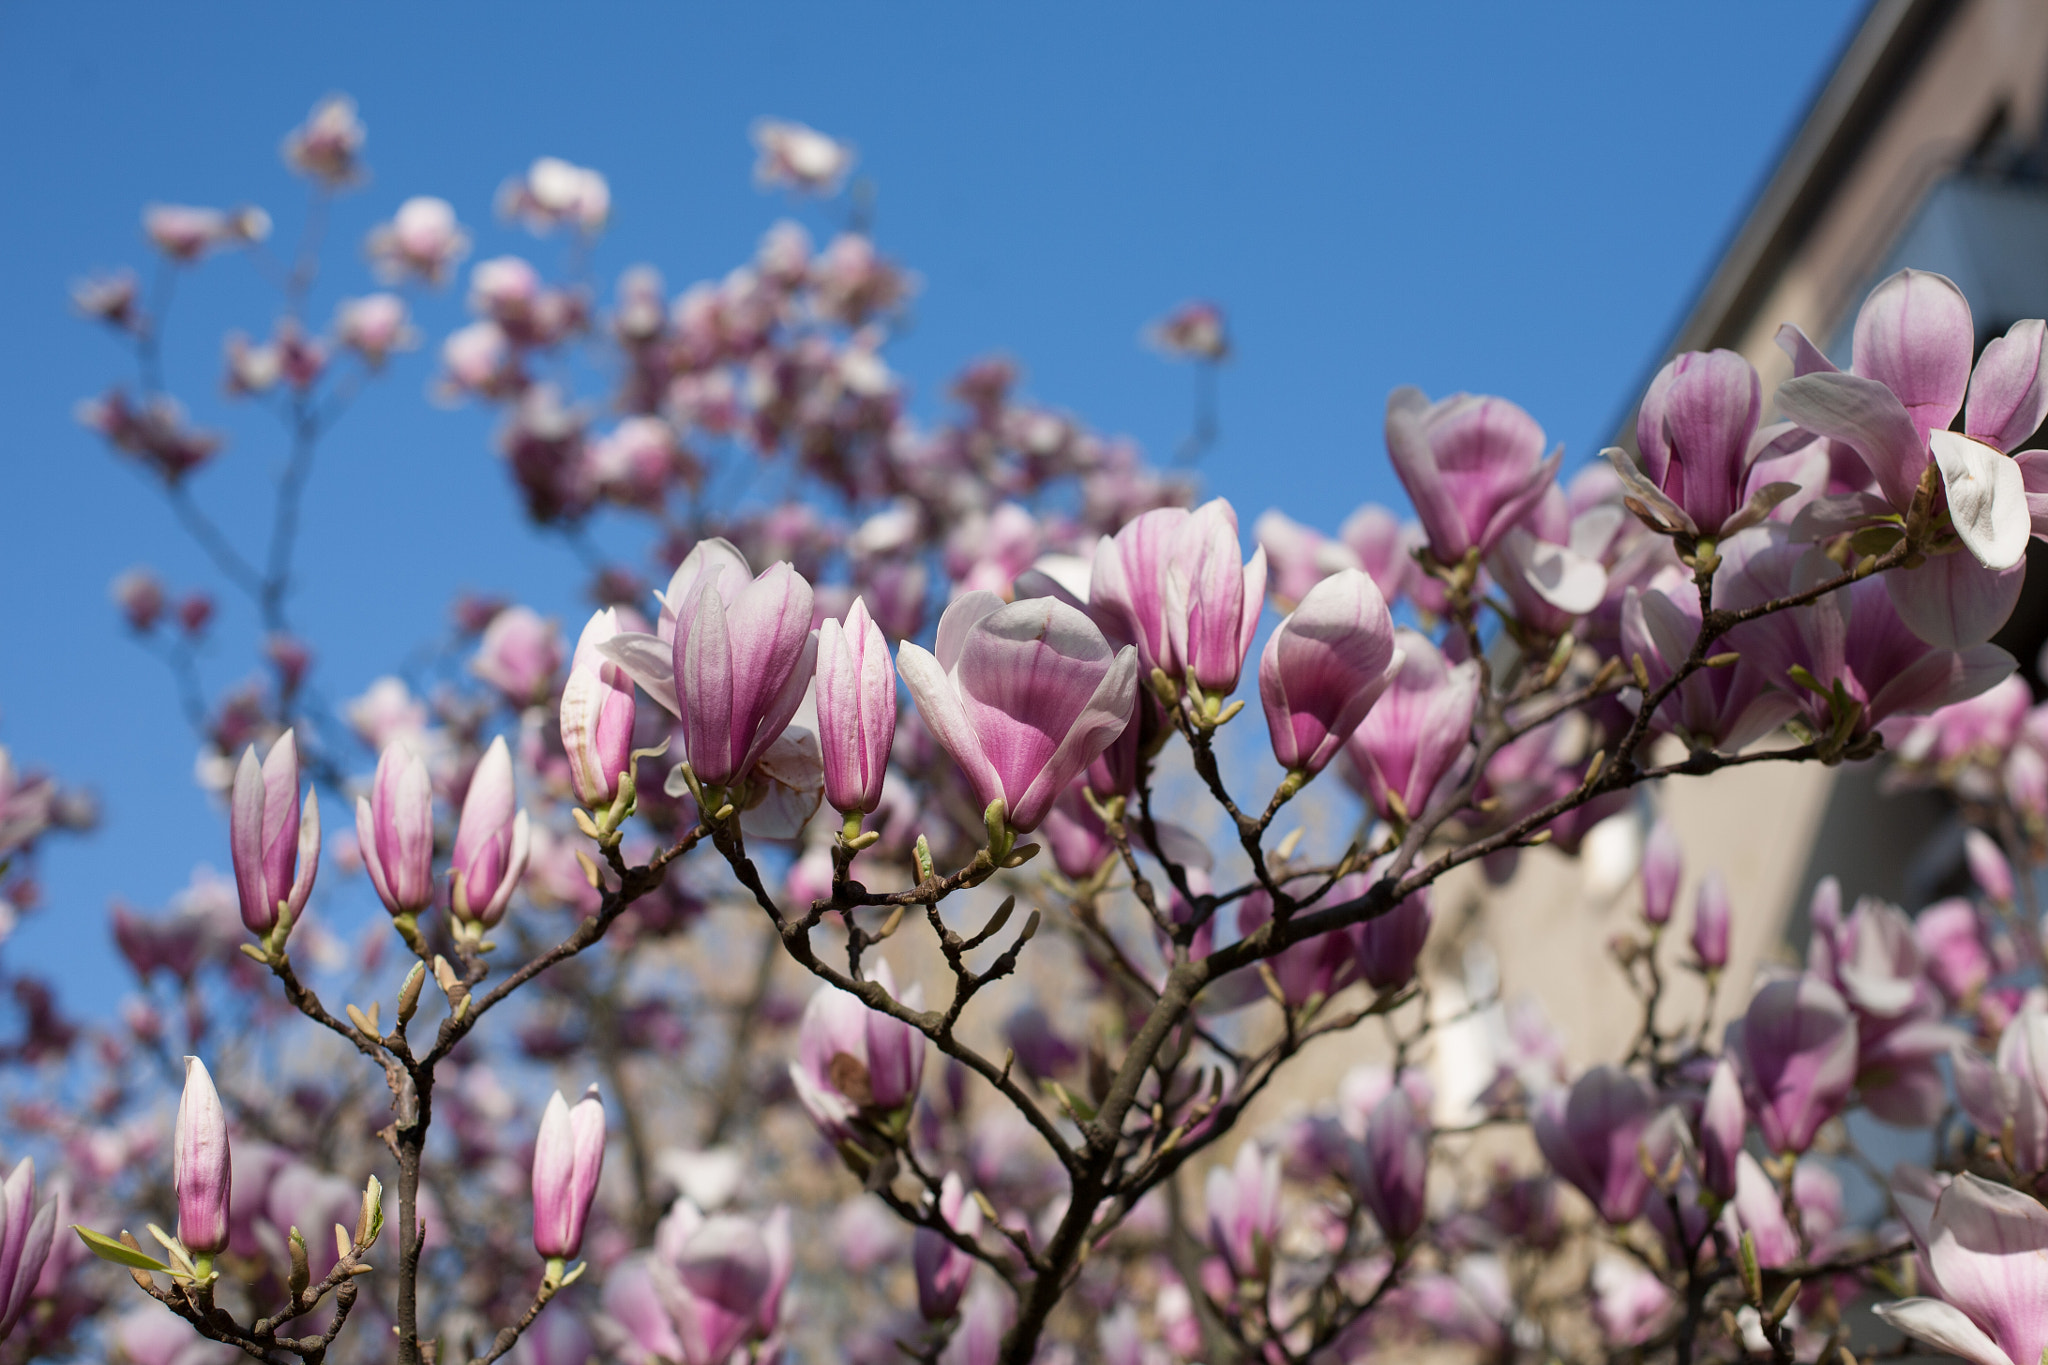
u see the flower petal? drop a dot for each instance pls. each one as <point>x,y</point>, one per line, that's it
<point>1952,601</point>
<point>1987,499</point>
<point>1915,337</point>
<point>648,661</point>
<point>2009,389</point>
<point>1869,418</point>
<point>1944,1327</point>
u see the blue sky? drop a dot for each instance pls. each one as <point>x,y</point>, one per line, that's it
<point>1507,198</point>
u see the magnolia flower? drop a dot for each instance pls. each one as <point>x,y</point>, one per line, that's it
<point>1473,466</point>
<point>519,654</point>
<point>1590,1135</point>
<point>1193,331</point>
<point>327,144</point>
<point>1912,347</point>
<point>1873,958</point>
<point>1391,1171</point>
<point>1722,1122</point>
<point>422,239</point>
<point>799,157</point>
<point>1795,1050</point>
<point>2006,1096</point>
<point>1324,667</point>
<point>942,1268</point>
<point>1697,429</point>
<point>395,830</point>
<point>856,701</point>
<point>200,1169</point>
<point>276,848</point>
<point>568,1157</point>
<point>1418,730</point>
<point>597,711</point>
<point>732,657</point>
<point>374,327</point>
<point>1983,1247</point>
<point>553,193</point>
<point>1172,583</point>
<point>854,1062</point>
<point>490,841</point>
<point>1024,697</point>
<point>1243,1200</point>
<point>185,234</point>
<point>26,1235</point>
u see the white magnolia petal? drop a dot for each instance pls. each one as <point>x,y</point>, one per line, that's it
<point>649,661</point>
<point>1944,1326</point>
<point>1565,579</point>
<point>1987,498</point>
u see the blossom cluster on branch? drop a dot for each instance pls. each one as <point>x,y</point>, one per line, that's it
<point>950,1030</point>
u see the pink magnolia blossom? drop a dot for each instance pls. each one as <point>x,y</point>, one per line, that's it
<point>27,1233</point>
<point>1590,1135</point>
<point>597,712</point>
<point>799,157</point>
<point>1393,1166</point>
<point>519,654</point>
<point>1795,1050</point>
<point>490,841</point>
<point>1722,1122</point>
<point>1711,917</point>
<point>853,1062</point>
<point>942,1268</point>
<point>567,1159</point>
<point>1024,697</point>
<point>1983,1246</point>
<point>1697,430</point>
<point>375,327</point>
<point>2006,1096</point>
<point>185,234</point>
<point>276,848</point>
<point>732,657</point>
<point>200,1166</point>
<point>1324,667</point>
<point>1958,960</point>
<point>1193,331</point>
<point>1873,958</point>
<point>326,146</point>
<point>1629,1301</point>
<point>422,240</point>
<point>1243,1201</point>
<point>1417,732</point>
<point>1663,867</point>
<point>1913,342</point>
<point>1473,466</point>
<point>395,829</point>
<point>856,709</point>
<point>554,193</point>
<point>1172,583</point>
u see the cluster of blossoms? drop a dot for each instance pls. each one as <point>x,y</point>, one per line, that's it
<point>672,855</point>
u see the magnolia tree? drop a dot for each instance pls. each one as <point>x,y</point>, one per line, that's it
<point>907,875</point>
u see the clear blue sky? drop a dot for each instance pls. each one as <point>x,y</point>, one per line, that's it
<point>1510,198</point>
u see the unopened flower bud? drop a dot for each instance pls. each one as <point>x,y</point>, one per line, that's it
<point>567,1160</point>
<point>200,1165</point>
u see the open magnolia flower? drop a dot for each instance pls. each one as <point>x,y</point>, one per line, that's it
<point>1892,408</point>
<point>1984,1246</point>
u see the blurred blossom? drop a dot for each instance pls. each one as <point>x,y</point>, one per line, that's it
<point>1193,331</point>
<point>422,241</point>
<point>375,327</point>
<point>799,158</point>
<point>185,234</point>
<point>553,193</point>
<point>327,144</point>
